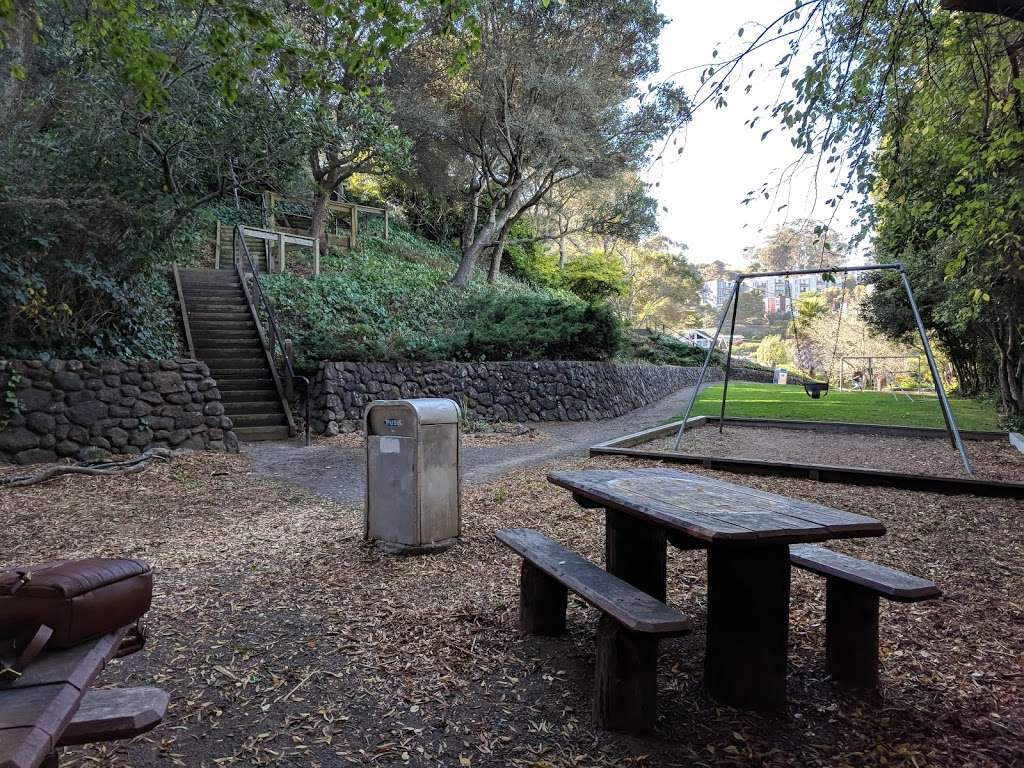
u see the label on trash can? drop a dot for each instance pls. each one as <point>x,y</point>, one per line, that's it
<point>392,423</point>
<point>390,445</point>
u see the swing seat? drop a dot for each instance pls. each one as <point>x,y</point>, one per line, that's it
<point>815,389</point>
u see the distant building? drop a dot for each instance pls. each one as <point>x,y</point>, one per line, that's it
<point>775,305</point>
<point>716,292</point>
<point>697,337</point>
<point>769,286</point>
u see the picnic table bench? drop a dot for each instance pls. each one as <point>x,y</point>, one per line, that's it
<point>853,588</point>
<point>50,705</point>
<point>631,624</point>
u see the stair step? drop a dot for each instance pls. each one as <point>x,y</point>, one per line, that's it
<point>227,374</point>
<point>236,306</point>
<point>218,280</point>
<point>240,407</point>
<point>226,338</point>
<point>222,357</point>
<point>213,330</point>
<point>259,419</point>
<point>213,321</point>
<point>214,295</point>
<point>230,395</point>
<point>255,434</point>
<point>216,363</point>
<point>226,283</point>
<point>202,318</point>
<point>214,343</point>
<point>246,385</point>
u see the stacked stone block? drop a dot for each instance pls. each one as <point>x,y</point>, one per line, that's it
<point>56,409</point>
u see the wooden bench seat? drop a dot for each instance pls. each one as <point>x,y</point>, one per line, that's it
<point>631,624</point>
<point>111,714</point>
<point>852,591</point>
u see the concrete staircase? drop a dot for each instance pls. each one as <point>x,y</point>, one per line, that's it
<point>226,338</point>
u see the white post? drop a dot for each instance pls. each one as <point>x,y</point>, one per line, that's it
<point>280,252</point>
<point>316,255</point>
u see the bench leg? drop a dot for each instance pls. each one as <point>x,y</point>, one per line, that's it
<point>52,760</point>
<point>748,626</point>
<point>542,603</point>
<point>635,552</point>
<point>851,634</point>
<point>626,678</point>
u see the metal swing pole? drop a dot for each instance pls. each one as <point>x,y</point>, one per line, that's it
<point>947,412</point>
<point>728,354</point>
<point>704,366</point>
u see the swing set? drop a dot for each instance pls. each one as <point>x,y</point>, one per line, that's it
<point>818,389</point>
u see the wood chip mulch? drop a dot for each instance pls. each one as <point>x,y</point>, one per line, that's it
<point>285,640</point>
<point>992,460</point>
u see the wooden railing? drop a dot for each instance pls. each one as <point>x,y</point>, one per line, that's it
<point>346,211</point>
<point>275,240</point>
<point>277,349</point>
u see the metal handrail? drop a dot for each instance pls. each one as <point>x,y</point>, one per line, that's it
<point>238,237</point>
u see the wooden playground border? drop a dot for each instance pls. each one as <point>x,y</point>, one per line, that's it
<point>825,473</point>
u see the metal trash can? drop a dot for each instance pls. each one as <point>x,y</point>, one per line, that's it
<point>412,474</point>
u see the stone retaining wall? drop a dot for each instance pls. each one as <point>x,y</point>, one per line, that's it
<point>91,410</point>
<point>501,391</point>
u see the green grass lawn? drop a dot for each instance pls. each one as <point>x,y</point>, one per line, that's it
<point>771,401</point>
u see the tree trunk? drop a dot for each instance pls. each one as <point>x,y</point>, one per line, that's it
<point>469,227</point>
<point>471,254</point>
<point>316,226</point>
<point>20,44</point>
<point>499,249</point>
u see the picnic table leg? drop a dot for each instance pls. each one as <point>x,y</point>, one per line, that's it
<point>748,626</point>
<point>635,552</point>
<point>851,634</point>
<point>52,760</point>
<point>625,678</point>
<point>542,603</point>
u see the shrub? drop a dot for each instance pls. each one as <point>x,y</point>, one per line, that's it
<point>391,301</point>
<point>663,350</point>
<point>82,309</point>
<point>773,351</point>
<point>595,277</point>
<point>538,327</point>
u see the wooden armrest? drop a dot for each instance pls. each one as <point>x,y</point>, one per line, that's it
<point>110,714</point>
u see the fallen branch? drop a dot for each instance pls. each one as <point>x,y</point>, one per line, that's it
<point>128,467</point>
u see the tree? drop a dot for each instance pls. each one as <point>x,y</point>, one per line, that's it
<point>716,270</point>
<point>595,277</point>
<point>919,113</point>
<point>336,84</point>
<point>663,289</point>
<point>807,307</point>
<point>773,351</point>
<point>553,95</point>
<point>801,245</point>
<point>751,307</point>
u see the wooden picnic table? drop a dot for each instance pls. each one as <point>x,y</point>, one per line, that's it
<point>746,533</point>
<point>50,705</point>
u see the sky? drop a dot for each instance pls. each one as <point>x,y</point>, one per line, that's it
<point>722,159</point>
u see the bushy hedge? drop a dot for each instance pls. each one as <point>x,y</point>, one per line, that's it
<point>392,302</point>
<point>663,350</point>
<point>85,309</point>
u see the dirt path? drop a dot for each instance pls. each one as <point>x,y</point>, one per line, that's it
<point>337,473</point>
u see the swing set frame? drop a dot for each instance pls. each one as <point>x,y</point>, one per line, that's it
<point>733,302</point>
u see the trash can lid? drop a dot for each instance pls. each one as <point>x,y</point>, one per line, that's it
<point>428,410</point>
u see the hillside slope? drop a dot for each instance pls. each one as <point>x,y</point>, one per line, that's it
<point>390,300</point>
